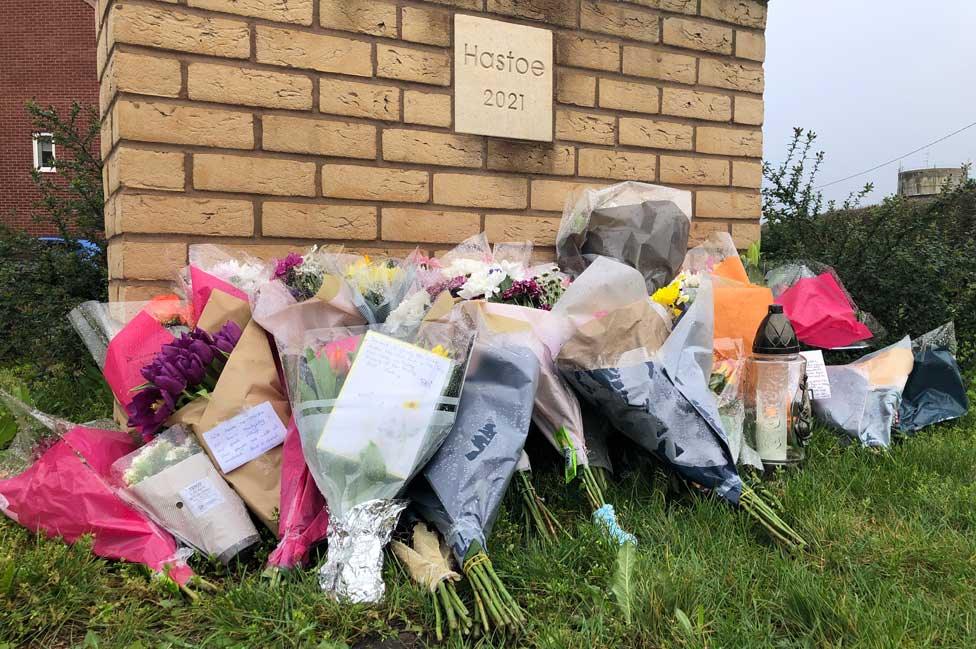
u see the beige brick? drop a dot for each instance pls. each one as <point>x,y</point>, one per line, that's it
<point>750,13</point>
<point>627,95</point>
<point>184,215</point>
<point>426,147</point>
<point>282,11</point>
<point>540,230</point>
<point>318,137</point>
<point>411,64</point>
<point>696,35</point>
<point>363,16</point>
<point>583,52</point>
<point>745,234</point>
<point>151,121</point>
<point>644,62</point>
<point>139,74</point>
<point>468,190</point>
<point>101,52</point>
<point>578,126</point>
<point>175,29</point>
<point>727,141</point>
<point>727,205</point>
<point>699,105</point>
<point>747,77</point>
<point>746,174</point>
<point>145,259</point>
<point>461,4</point>
<point>617,165</point>
<point>320,52</point>
<point>575,88</point>
<point>700,230</point>
<point>253,175</point>
<point>137,291</point>
<point>357,99</point>
<point>748,110</point>
<point>426,108</point>
<point>228,84</point>
<point>621,20</point>
<point>428,226</point>
<point>377,184</point>
<point>553,12</point>
<point>678,6</point>
<point>552,159</point>
<point>694,171</point>
<point>106,136</point>
<point>145,169</point>
<point>551,195</point>
<point>421,25</point>
<point>318,221</point>
<point>750,45</point>
<point>655,134</point>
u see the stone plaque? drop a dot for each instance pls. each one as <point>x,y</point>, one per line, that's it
<point>502,79</point>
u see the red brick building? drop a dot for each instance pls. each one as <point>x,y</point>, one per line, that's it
<point>47,53</point>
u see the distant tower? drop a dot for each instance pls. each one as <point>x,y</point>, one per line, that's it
<point>924,183</point>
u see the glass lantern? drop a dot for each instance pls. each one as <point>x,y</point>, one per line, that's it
<point>777,421</point>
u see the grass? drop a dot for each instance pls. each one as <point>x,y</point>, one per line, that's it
<point>892,563</point>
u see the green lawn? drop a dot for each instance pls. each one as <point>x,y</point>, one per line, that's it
<point>892,564</point>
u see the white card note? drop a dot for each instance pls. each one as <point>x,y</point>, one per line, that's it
<point>817,380</point>
<point>240,439</point>
<point>201,496</point>
<point>389,398</point>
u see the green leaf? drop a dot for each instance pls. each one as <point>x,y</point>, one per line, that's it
<point>684,623</point>
<point>7,573</point>
<point>623,580</point>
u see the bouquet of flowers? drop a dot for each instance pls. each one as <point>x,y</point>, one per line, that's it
<point>217,267</point>
<point>644,226</point>
<point>935,390</point>
<point>656,392</point>
<point>378,283</point>
<point>174,482</point>
<point>865,395</point>
<point>371,409</point>
<point>55,479</point>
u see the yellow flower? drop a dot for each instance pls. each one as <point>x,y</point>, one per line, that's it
<point>440,350</point>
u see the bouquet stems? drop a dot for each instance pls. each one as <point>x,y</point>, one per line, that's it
<point>448,605</point>
<point>781,532</point>
<point>594,493</point>
<point>537,515</point>
<point>495,607</point>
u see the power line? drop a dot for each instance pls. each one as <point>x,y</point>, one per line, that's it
<point>885,164</point>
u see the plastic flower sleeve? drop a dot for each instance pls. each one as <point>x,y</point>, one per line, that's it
<point>235,267</point>
<point>935,391</point>
<point>379,283</point>
<point>865,395</point>
<point>371,410</point>
<point>174,482</point>
<point>61,487</point>
<point>644,226</point>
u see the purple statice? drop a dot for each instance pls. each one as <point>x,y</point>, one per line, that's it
<point>524,292</point>
<point>284,266</point>
<point>177,372</point>
<point>452,285</point>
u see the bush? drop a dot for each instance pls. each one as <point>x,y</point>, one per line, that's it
<point>40,281</point>
<point>907,263</point>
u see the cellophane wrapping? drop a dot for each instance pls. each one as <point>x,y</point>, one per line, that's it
<point>935,391</point>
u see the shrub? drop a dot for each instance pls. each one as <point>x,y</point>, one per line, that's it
<point>908,263</point>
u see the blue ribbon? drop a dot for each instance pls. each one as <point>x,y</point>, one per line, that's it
<point>605,516</point>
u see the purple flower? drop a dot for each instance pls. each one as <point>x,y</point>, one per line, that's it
<point>452,285</point>
<point>149,409</point>
<point>283,266</point>
<point>526,289</point>
<point>203,351</point>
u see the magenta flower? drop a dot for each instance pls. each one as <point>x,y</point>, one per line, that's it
<point>283,266</point>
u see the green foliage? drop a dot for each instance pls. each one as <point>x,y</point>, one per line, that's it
<point>41,281</point>
<point>623,580</point>
<point>907,263</point>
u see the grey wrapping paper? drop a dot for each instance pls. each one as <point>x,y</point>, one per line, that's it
<point>471,472</point>
<point>935,391</point>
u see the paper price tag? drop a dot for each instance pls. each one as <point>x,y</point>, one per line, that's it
<point>240,439</point>
<point>201,496</point>
<point>817,380</point>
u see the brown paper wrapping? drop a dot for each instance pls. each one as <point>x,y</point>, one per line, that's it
<point>602,342</point>
<point>249,378</point>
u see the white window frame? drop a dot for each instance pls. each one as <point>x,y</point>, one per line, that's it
<point>37,152</point>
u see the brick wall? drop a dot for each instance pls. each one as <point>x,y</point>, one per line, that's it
<point>47,53</point>
<point>273,123</point>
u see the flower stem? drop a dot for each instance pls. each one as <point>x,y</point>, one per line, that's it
<point>546,525</point>
<point>756,507</point>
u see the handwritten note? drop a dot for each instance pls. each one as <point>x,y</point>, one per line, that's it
<point>389,399</point>
<point>242,438</point>
<point>201,496</point>
<point>817,380</point>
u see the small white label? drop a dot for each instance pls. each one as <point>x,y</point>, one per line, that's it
<point>817,380</point>
<point>201,496</point>
<point>240,439</point>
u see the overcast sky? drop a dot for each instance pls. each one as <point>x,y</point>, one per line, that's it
<point>875,79</point>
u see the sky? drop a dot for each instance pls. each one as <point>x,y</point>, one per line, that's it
<point>874,79</point>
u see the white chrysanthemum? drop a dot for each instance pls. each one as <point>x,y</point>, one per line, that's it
<point>464,267</point>
<point>410,312</point>
<point>484,282</point>
<point>244,276</point>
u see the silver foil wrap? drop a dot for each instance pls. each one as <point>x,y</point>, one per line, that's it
<point>353,568</point>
